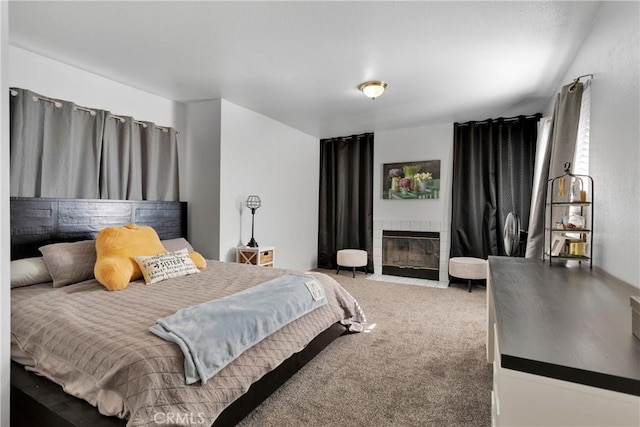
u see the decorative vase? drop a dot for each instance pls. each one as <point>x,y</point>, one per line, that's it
<point>422,186</point>
<point>575,190</point>
<point>395,183</point>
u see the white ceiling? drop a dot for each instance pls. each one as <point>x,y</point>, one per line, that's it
<point>301,62</point>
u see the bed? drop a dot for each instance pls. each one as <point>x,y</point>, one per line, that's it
<point>97,344</point>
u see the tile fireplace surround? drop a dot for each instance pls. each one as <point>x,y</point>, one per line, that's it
<point>395,225</point>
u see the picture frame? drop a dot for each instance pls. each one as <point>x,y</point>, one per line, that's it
<point>557,244</point>
<point>411,180</point>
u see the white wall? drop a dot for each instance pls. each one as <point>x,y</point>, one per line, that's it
<point>413,144</point>
<point>611,53</point>
<point>234,152</point>
<point>54,79</point>
<point>5,329</point>
<point>281,165</point>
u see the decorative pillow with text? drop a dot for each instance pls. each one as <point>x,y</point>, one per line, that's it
<point>160,267</point>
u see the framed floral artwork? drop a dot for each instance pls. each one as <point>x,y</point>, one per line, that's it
<point>411,180</point>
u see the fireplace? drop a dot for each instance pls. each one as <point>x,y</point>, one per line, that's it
<point>411,254</point>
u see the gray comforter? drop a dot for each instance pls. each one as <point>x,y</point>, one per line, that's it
<point>97,344</point>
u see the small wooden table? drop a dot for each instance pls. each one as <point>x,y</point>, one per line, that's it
<point>262,255</point>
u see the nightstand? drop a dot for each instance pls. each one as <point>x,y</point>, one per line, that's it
<point>262,255</point>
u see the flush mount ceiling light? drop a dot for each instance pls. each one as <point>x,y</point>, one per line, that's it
<point>373,89</point>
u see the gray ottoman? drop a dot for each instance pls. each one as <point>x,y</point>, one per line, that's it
<point>352,258</point>
<point>468,268</point>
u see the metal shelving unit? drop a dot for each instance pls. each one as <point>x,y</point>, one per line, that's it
<point>569,218</point>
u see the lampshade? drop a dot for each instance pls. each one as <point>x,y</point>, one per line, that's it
<point>373,89</point>
<point>254,202</point>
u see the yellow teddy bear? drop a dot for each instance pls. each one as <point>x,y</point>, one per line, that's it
<point>116,247</point>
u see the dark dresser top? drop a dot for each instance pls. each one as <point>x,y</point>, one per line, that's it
<point>569,323</point>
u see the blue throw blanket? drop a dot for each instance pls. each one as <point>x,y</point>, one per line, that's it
<point>214,333</point>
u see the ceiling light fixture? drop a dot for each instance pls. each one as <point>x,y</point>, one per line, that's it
<point>373,89</point>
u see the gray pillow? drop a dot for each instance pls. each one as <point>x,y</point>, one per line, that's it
<point>70,262</point>
<point>173,245</point>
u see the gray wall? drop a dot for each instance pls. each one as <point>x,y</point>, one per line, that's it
<point>203,176</point>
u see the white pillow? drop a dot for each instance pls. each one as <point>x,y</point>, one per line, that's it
<point>29,271</point>
<point>166,266</point>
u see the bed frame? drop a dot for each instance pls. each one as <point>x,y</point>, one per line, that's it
<point>39,221</point>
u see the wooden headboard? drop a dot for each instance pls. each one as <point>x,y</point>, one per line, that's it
<point>40,221</point>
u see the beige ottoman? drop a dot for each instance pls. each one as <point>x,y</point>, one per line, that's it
<point>352,258</point>
<point>468,268</point>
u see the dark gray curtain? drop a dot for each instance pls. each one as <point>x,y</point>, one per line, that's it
<point>62,150</point>
<point>346,197</point>
<point>493,165</point>
<point>55,148</point>
<point>559,149</point>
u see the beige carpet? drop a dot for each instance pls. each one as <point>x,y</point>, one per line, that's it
<point>421,363</point>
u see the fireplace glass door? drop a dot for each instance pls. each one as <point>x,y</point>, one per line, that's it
<point>411,254</point>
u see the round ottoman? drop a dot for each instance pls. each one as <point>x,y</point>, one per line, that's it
<point>468,268</point>
<point>352,258</point>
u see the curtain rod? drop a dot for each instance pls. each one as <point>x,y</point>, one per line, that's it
<point>138,122</point>
<point>508,119</point>
<point>58,104</point>
<point>577,79</point>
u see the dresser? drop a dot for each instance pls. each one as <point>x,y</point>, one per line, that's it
<point>561,345</point>
<point>262,255</point>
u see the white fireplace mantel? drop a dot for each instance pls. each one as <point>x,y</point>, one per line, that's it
<point>400,225</point>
